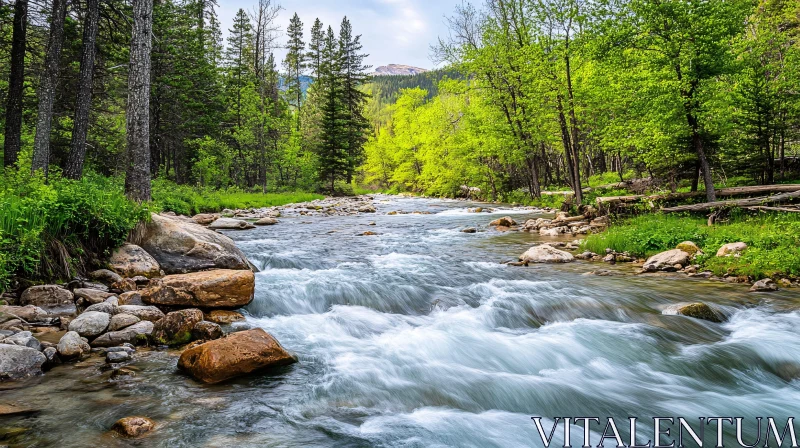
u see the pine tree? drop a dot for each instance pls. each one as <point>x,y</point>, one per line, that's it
<point>315,46</point>
<point>137,178</point>
<point>354,76</point>
<point>332,151</point>
<point>295,64</point>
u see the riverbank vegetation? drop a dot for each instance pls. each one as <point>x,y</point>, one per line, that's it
<point>773,241</point>
<point>691,94</point>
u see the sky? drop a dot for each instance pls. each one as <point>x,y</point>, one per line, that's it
<point>392,31</point>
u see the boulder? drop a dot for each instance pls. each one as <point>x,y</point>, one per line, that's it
<point>28,313</point>
<point>697,310</point>
<point>90,323</point>
<point>224,317</point>
<point>553,231</point>
<point>133,427</point>
<point>131,260</point>
<point>230,224</point>
<point>143,312</point>
<point>266,222</point>
<point>221,288</point>
<point>731,249</point>
<point>176,327</point>
<point>181,247</point>
<point>118,356</point>
<point>666,261</point>
<point>131,298</point>
<point>505,221</point>
<point>237,354</point>
<point>688,247</point>
<point>103,307</point>
<point>23,339</point>
<point>47,296</point>
<point>764,285</point>
<point>120,321</point>
<point>206,331</point>
<point>545,253</point>
<point>125,285</point>
<point>138,332</point>
<point>72,345</point>
<point>86,297</point>
<point>366,209</point>
<point>17,361</point>
<point>205,219</point>
<point>105,276</point>
<point>469,230</point>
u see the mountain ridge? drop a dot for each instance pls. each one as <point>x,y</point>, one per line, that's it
<point>398,69</point>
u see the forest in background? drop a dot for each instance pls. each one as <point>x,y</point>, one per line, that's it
<point>559,94</point>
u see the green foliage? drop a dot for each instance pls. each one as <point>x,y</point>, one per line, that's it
<point>188,200</point>
<point>773,241</point>
<point>50,230</point>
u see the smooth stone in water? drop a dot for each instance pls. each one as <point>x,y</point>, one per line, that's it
<point>133,427</point>
<point>18,362</point>
<point>545,253</point>
<point>72,345</point>
<point>764,285</point>
<point>118,356</point>
<point>230,224</point>
<point>266,222</point>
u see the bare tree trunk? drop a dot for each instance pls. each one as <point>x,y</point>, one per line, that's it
<point>16,80</point>
<point>137,178</point>
<point>77,153</point>
<point>47,89</point>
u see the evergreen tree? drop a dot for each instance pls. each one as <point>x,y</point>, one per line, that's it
<point>354,76</point>
<point>332,150</point>
<point>315,46</point>
<point>295,64</point>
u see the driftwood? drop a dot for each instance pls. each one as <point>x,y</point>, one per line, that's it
<point>731,191</point>
<point>774,209</point>
<point>749,202</point>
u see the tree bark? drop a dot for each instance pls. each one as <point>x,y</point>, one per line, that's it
<point>47,89</point>
<point>137,177</point>
<point>16,81</point>
<point>83,103</point>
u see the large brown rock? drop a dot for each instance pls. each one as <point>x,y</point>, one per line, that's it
<point>143,312</point>
<point>205,219</point>
<point>221,288</point>
<point>505,221</point>
<point>176,327</point>
<point>237,354</point>
<point>133,427</point>
<point>224,316</point>
<point>181,247</point>
<point>47,296</point>
<point>131,260</point>
<point>27,313</point>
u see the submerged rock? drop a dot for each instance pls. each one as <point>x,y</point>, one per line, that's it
<point>696,310</point>
<point>118,356</point>
<point>220,288</point>
<point>266,221</point>
<point>176,327</point>
<point>764,285</point>
<point>18,362</point>
<point>666,261</point>
<point>181,247</point>
<point>133,427</point>
<point>545,253</point>
<point>130,260</point>
<point>237,354</point>
<point>470,230</point>
<point>230,224</point>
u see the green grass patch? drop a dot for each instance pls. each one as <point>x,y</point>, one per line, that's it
<point>190,200</point>
<point>773,241</point>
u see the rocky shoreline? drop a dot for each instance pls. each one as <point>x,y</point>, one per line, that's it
<point>178,282</point>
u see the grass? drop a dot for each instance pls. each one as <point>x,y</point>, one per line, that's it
<point>773,241</point>
<point>189,200</point>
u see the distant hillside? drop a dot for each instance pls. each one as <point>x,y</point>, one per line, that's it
<point>387,88</point>
<point>397,69</point>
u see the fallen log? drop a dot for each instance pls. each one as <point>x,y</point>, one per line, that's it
<point>774,209</point>
<point>749,202</point>
<point>730,191</point>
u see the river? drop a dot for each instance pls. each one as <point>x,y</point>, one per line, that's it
<point>419,337</point>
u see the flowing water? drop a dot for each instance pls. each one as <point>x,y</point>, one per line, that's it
<point>418,337</point>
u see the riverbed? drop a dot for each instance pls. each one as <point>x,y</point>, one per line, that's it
<point>419,337</point>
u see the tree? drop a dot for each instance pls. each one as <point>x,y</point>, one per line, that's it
<point>315,46</point>
<point>47,88</point>
<point>137,176</point>
<point>16,81</point>
<point>354,76</point>
<point>74,165</point>
<point>295,64</point>
<point>332,150</point>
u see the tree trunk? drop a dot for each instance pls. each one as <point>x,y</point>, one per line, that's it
<point>137,178</point>
<point>16,80</point>
<point>47,88</point>
<point>83,103</point>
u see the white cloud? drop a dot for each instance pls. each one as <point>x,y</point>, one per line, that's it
<point>393,31</point>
